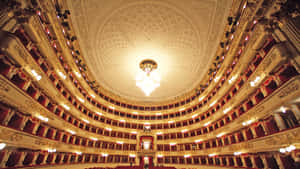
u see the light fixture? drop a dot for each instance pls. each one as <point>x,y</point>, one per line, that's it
<point>170,122</point>
<point>201,98</point>
<point>135,112</point>
<point>187,156</point>
<point>182,109</point>
<point>225,111</point>
<point>158,114</point>
<point>72,132</point>
<point>184,130</point>
<point>100,114</point>
<point>42,118</point>
<point>216,79</point>
<point>78,152</point>
<point>198,141</point>
<point>81,100</point>
<point>211,155</point>
<point>94,139</point>
<point>120,142</point>
<point>232,79</point>
<point>133,132</point>
<point>77,74</point>
<point>237,153</point>
<point>66,107</point>
<point>146,145</point>
<point>112,107</point>
<point>247,122</point>
<point>62,75</point>
<point>2,146</point>
<point>104,154</point>
<point>159,133</point>
<point>172,144</point>
<point>122,120</point>
<point>283,109</point>
<point>195,115</point>
<point>86,121</point>
<point>220,135</point>
<point>132,155</point>
<point>93,96</point>
<point>108,129</point>
<point>287,149</point>
<point>213,103</point>
<point>37,76</point>
<point>159,155</point>
<point>206,124</point>
<point>51,150</point>
<point>148,80</point>
<point>255,81</point>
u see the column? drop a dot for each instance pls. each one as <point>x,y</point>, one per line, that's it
<point>22,125</point>
<point>154,142</point>
<point>155,160</point>
<point>252,157</point>
<point>253,132</point>
<point>264,126</point>
<point>61,159</point>
<point>8,117</point>
<point>76,159</point>
<point>296,112</point>
<point>35,128</point>
<point>214,160</point>
<point>235,162</point>
<point>35,155</point>
<point>20,162</point>
<point>278,160</point>
<point>279,121</point>
<point>244,135</point>
<point>4,159</point>
<point>53,159</point>
<point>243,161</point>
<point>264,160</point>
<point>44,160</point>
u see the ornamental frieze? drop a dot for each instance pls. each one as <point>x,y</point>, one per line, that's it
<point>288,90</point>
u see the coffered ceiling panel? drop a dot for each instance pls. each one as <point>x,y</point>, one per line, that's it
<point>180,35</point>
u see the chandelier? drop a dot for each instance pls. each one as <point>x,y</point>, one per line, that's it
<point>148,80</point>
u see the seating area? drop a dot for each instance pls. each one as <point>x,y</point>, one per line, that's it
<point>244,112</point>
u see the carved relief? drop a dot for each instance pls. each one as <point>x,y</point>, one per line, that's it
<point>3,86</point>
<point>288,90</point>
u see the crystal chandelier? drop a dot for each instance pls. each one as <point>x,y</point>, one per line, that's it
<point>148,80</point>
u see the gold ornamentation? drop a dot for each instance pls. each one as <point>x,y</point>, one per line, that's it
<point>288,90</point>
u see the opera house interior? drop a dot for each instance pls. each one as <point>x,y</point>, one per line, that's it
<point>150,84</point>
